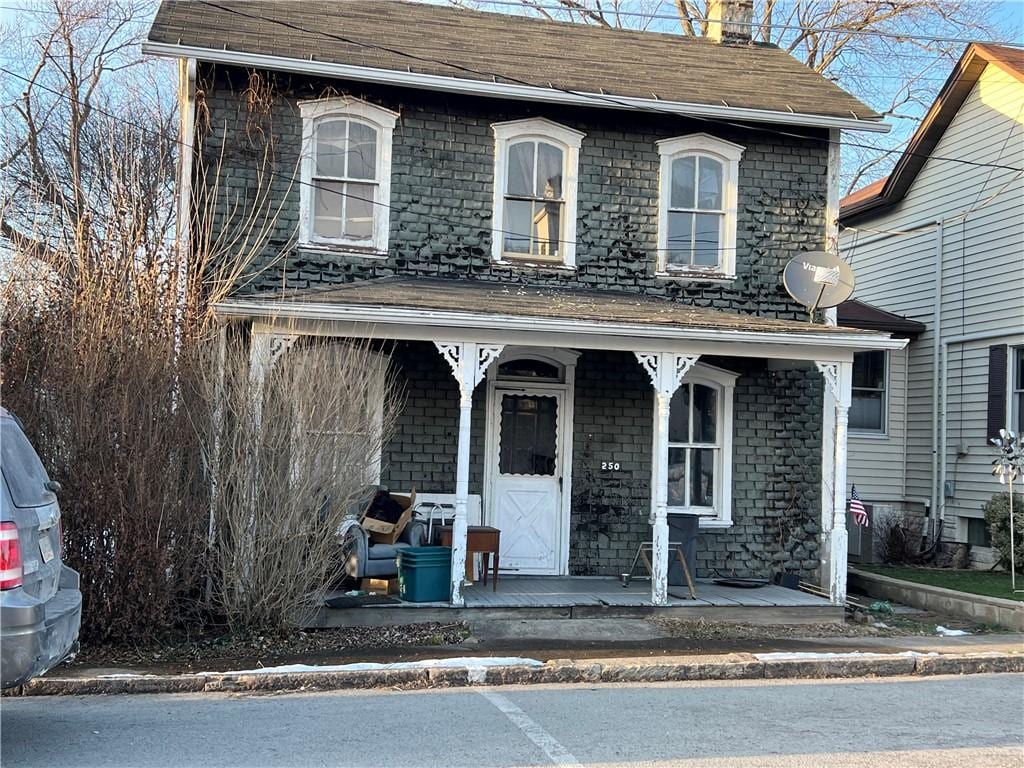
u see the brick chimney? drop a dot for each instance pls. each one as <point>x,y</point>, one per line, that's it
<point>729,21</point>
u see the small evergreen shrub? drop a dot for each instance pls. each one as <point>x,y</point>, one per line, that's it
<point>997,515</point>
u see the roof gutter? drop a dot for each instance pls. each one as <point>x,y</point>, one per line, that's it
<point>506,90</point>
<point>389,315</point>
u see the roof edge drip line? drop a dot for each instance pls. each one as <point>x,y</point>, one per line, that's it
<point>503,90</point>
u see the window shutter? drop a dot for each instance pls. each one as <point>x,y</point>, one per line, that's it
<point>996,390</point>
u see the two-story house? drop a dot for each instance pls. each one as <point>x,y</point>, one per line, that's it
<point>941,241</point>
<point>569,241</point>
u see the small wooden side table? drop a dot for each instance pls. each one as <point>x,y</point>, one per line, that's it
<point>480,538</point>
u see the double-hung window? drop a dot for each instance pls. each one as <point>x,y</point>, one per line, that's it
<point>535,167</point>
<point>869,401</point>
<point>699,471</point>
<point>697,209</point>
<point>346,174</point>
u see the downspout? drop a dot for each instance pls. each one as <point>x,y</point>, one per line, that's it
<point>938,454</point>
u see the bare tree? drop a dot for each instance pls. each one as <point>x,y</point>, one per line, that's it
<point>107,321</point>
<point>893,55</point>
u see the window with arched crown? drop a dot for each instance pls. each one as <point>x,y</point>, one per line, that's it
<point>697,210</point>
<point>699,471</point>
<point>346,174</point>
<point>535,191</point>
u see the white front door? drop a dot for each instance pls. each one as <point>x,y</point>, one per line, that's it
<point>526,503</point>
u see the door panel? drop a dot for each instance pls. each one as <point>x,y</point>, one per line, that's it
<point>527,491</point>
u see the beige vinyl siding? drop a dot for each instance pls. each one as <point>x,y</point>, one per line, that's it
<point>875,462</point>
<point>983,285</point>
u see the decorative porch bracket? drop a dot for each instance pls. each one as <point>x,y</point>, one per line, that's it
<point>835,418</point>
<point>469,362</point>
<point>666,370</point>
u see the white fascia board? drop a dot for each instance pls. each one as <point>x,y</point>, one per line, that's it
<point>380,315</point>
<point>507,90</point>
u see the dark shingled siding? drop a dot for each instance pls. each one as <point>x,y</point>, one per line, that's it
<point>440,227</point>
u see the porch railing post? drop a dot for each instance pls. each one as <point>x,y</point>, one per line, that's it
<point>666,370</point>
<point>468,362</point>
<point>838,383</point>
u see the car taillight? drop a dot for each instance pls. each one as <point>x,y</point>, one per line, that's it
<point>60,538</point>
<point>10,557</point>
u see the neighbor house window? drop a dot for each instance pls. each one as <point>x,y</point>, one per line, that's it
<point>1017,391</point>
<point>869,402</point>
<point>978,533</point>
<point>534,218</point>
<point>697,210</point>
<point>346,174</point>
<point>700,446</point>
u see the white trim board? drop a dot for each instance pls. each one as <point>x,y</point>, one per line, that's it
<point>508,90</point>
<point>376,321</point>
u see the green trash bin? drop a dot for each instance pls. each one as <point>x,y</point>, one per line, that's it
<point>424,574</point>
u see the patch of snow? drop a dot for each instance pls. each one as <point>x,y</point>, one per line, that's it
<point>881,625</point>
<point>807,656</point>
<point>944,632</point>
<point>119,675</point>
<point>473,663</point>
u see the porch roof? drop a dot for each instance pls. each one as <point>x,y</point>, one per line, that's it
<point>469,304</point>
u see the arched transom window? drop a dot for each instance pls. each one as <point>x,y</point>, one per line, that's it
<point>346,174</point>
<point>535,191</point>
<point>697,217</point>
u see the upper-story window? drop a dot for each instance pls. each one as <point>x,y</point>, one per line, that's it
<point>535,168</point>
<point>346,174</point>
<point>697,209</point>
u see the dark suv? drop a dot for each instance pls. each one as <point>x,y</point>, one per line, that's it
<point>40,603</point>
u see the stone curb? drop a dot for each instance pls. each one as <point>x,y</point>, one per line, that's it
<point>734,667</point>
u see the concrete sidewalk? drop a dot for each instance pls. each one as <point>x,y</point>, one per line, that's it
<point>586,660</point>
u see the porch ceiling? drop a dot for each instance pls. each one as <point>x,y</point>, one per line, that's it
<point>466,306</point>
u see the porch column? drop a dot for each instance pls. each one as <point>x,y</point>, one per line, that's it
<point>838,382</point>
<point>666,370</point>
<point>468,362</point>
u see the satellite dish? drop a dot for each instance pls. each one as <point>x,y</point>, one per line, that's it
<point>818,280</point>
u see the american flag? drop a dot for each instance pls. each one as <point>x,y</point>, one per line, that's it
<point>860,515</point>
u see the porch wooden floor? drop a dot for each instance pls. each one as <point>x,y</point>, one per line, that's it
<point>556,592</point>
<point>572,597</point>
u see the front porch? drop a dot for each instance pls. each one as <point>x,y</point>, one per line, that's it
<point>580,423</point>
<point>569,597</point>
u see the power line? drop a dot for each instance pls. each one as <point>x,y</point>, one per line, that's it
<point>291,178</point>
<point>591,96</point>
<point>583,11</point>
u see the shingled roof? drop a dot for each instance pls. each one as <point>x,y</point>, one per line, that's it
<point>413,40</point>
<point>483,299</point>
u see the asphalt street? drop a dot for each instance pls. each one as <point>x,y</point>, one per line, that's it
<point>944,721</point>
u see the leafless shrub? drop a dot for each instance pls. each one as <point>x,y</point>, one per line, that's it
<point>898,538</point>
<point>288,473</point>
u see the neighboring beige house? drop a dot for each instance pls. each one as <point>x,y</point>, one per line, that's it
<point>921,417</point>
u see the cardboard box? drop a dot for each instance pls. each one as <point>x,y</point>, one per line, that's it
<point>380,586</point>
<point>388,533</point>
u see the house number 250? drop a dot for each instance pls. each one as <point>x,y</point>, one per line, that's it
<point>610,465</point>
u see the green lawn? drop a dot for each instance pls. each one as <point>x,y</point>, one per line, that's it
<point>993,584</point>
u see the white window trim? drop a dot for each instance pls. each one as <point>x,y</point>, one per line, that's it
<point>882,433</point>
<point>1011,390</point>
<point>384,120</point>
<point>569,141</point>
<point>729,155</point>
<point>724,383</point>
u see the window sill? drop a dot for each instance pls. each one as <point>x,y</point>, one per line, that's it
<point>867,435</point>
<point>704,521</point>
<point>714,278</point>
<point>339,249</point>
<point>528,264</point>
